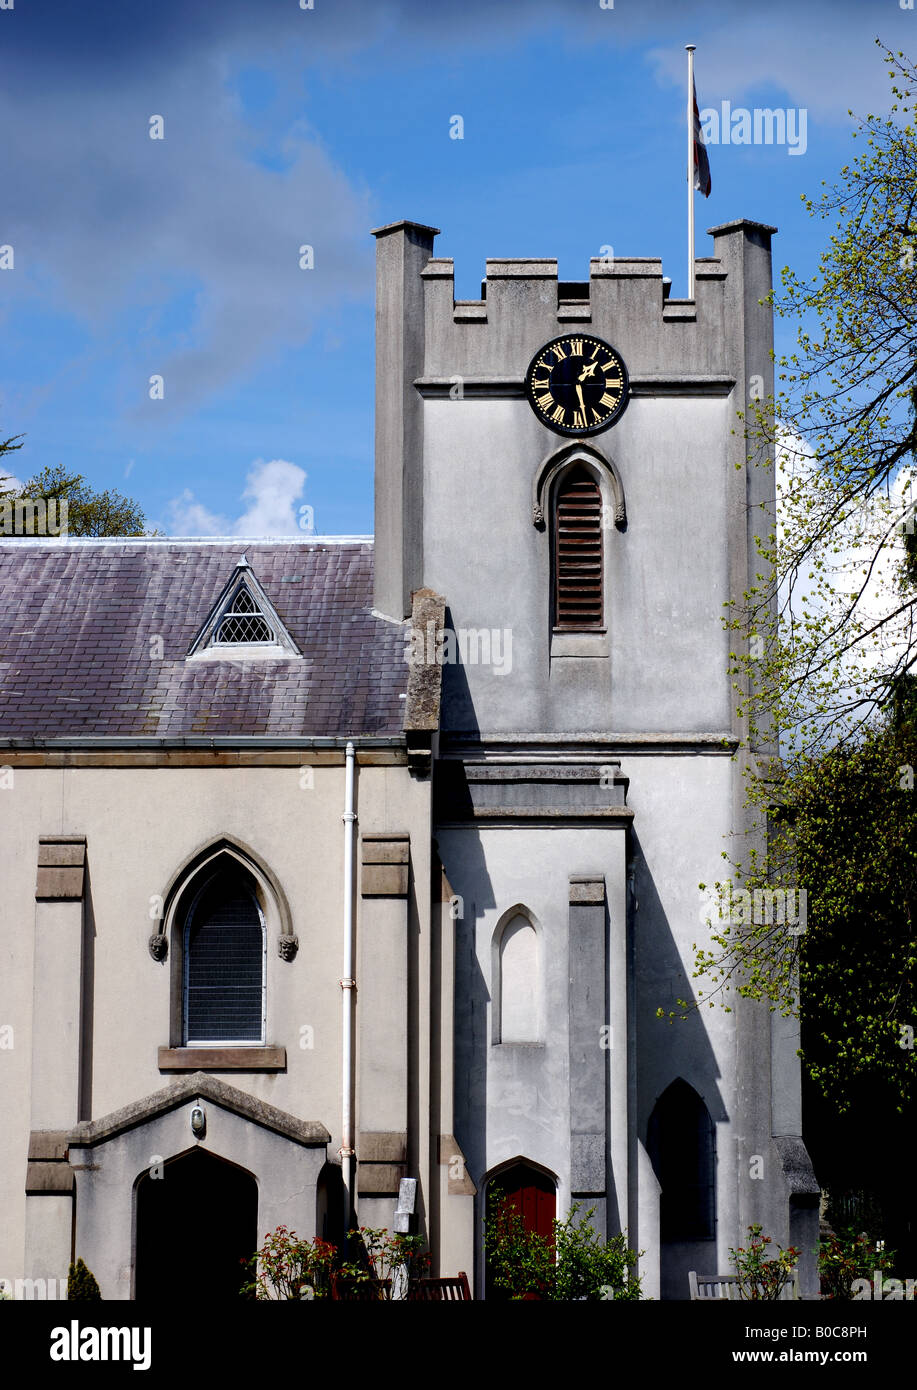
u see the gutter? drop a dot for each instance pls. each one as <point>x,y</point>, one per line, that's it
<point>221,741</point>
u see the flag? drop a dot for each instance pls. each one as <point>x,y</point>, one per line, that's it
<point>701,162</point>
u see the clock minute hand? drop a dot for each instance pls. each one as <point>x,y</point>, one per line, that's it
<point>582,403</point>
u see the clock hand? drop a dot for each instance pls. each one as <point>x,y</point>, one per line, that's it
<point>587,371</point>
<point>582,403</point>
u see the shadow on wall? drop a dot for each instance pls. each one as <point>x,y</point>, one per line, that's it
<point>458,712</point>
<point>677,1122</point>
<point>472,997</point>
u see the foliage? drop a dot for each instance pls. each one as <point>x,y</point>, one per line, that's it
<point>522,1263</point>
<point>825,642</point>
<point>845,828</point>
<point>89,513</point>
<point>286,1267</point>
<point>381,1259</point>
<point>761,1277</point>
<point>81,1285</point>
<point>833,603</point>
<point>573,1263</point>
<point>7,446</point>
<point>844,1257</point>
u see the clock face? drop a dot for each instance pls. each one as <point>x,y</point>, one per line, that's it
<point>577,385</point>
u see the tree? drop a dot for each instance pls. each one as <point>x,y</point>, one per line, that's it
<point>825,635</point>
<point>89,513</point>
<point>835,596</point>
<point>829,689</point>
<point>7,446</point>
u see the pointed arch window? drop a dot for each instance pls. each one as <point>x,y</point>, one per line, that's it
<point>578,553</point>
<point>223,960</point>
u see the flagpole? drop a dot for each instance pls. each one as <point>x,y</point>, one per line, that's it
<point>690,122</point>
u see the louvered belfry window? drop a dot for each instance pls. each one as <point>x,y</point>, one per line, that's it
<point>578,589</point>
<point>243,620</point>
<point>224,965</point>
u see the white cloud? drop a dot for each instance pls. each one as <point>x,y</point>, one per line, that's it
<point>190,234</point>
<point>272,491</point>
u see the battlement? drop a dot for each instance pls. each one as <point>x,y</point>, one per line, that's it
<point>431,345</point>
<point>524,303</point>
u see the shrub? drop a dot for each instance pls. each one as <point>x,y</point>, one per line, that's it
<point>382,1260</point>
<point>286,1267</point>
<point>761,1278</point>
<point>574,1263</point>
<point>844,1257</point>
<point>81,1285</point>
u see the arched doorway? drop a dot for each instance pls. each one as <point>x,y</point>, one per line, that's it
<point>195,1226</point>
<point>681,1143</point>
<point>529,1192</point>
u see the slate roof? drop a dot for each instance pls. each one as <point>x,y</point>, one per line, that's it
<point>77,619</point>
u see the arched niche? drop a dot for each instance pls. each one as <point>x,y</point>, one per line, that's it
<point>517,978</point>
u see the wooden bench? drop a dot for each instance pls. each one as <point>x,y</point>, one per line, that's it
<point>451,1290</point>
<point>704,1287</point>
<point>454,1290</point>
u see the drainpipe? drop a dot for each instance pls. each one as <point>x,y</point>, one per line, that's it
<point>348,984</point>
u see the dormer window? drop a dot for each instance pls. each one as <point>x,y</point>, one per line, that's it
<point>242,621</point>
<point>243,624</point>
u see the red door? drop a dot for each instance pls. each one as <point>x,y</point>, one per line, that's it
<point>528,1192</point>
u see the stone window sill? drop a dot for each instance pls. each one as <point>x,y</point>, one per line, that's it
<point>579,644</point>
<point>222,1058</point>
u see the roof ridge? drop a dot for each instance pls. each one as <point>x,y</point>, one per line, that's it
<point>61,542</point>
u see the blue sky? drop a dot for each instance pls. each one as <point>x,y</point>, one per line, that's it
<point>286,126</point>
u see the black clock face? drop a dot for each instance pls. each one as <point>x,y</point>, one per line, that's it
<point>577,385</point>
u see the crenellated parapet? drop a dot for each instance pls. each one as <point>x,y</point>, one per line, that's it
<point>433,347</point>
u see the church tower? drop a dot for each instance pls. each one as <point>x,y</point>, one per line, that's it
<point>564,462</point>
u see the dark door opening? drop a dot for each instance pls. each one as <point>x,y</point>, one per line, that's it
<point>530,1193</point>
<point>195,1226</point>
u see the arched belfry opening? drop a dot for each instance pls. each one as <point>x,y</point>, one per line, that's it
<point>196,1223</point>
<point>577,558</point>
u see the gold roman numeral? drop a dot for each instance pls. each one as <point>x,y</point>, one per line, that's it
<point>607,400</point>
<point>576,347</point>
<point>558,351</point>
<point>541,385</point>
<point>579,420</point>
<point>558,415</point>
<point>546,401</point>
